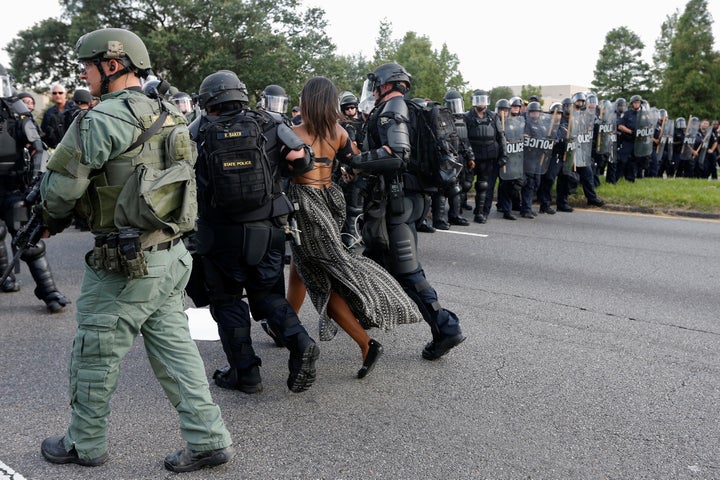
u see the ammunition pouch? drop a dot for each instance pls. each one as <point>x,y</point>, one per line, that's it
<point>120,252</point>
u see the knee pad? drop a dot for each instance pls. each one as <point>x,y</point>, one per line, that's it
<point>33,253</point>
<point>481,186</point>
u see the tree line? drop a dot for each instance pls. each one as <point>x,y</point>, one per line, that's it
<point>279,42</point>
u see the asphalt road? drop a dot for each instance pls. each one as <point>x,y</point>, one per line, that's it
<point>592,353</point>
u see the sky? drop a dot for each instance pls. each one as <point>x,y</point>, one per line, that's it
<point>556,43</point>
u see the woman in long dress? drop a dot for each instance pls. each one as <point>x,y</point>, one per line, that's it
<point>346,288</point>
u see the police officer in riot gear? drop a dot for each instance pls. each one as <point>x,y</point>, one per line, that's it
<point>22,156</point>
<point>455,103</point>
<point>274,99</point>
<point>547,179</point>
<point>488,144</point>
<point>628,164</point>
<point>243,251</point>
<point>584,173</point>
<point>396,203</point>
<point>185,104</point>
<point>352,183</point>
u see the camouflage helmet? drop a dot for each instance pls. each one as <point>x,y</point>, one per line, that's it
<point>635,98</point>
<point>221,86</point>
<point>113,43</point>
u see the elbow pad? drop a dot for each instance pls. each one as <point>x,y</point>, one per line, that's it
<point>295,168</point>
<point>395,119</point>
<point>376,161</point>
<point>289,138</point>
<point>345,153</point>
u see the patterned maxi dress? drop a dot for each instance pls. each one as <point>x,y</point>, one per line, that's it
<point>325,264</point>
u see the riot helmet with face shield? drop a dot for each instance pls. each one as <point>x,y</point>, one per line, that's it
<point>274,99</point>
<point>6,89</point>
<point>183,101</point>
<point>480,99</point>
<point>454,101</point>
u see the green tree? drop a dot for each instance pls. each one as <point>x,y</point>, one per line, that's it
<point>43,55</point>
<point>529,90</point>
<point>264,41</point>
<point>385,46</point>
<point>693,67</point>
<point>660,58</point>
<point>620,70</point>
<point>433,73</point>
<point>498,93</point>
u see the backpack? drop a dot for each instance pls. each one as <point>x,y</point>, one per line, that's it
<point>239,175</point>
<point>8,143</point>
<point>434,145</point>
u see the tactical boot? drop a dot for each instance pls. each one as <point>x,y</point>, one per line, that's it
<point>53,449</point>
<point>46,290</point>
<point>247,380</point>
<point>10,284</point>
<point>303,354</point>
<point>187,460</point>
<point>462,221</point>
<point>439,347</point>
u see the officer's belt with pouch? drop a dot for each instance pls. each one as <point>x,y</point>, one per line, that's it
<point>123,252</point>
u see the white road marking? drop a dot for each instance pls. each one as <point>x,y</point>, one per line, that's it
<point>7,473</point>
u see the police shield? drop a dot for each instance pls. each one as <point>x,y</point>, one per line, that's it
<point>515,138</point>
<point>702,151</point>
<point>644,132</point>
<point>664,146</point>
<point>693,127</point>
<point>579,140</point>
<point>606,128</point>
<point>539,140</point>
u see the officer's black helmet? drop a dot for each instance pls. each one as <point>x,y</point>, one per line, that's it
<point>556,107</point>
<point>534,107</point>
<point>348,98</point>
<point>680,123</point>
<point>274,99</point>
<point>502,104</point>
<point>454,101</point>
<point>389,73</point>
<point>221,86</point>
<point>579,97</point>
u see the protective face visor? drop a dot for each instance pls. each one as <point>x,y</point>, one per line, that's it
<point>275,103</point>
<point>480,100</point>
<point>184,104</point>
<point>5,87</point>
<point>367,101</point>
<point>455,105</point>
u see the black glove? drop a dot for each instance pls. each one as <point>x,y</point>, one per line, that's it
<point>53,225</point>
